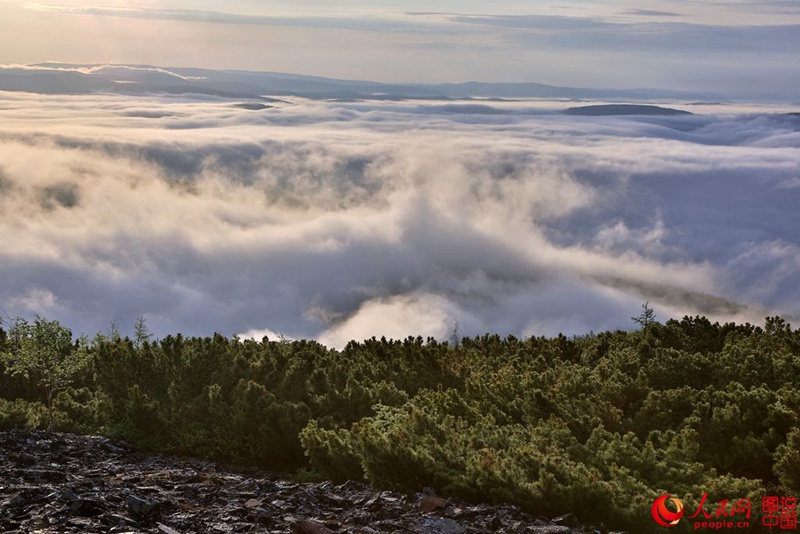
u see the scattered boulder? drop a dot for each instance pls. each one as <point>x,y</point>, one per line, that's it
<point>430,503</point>
<point>140,506</point>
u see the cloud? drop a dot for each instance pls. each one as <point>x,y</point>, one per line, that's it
<point>218,17</point>
<point>788,7</point>
<point>110,70</point>
<point>335,220</point>
<point>592,31</point>
<point>651,13</point>
<point>597,33</point>
<point>396,318</point>
<point>537,22</point>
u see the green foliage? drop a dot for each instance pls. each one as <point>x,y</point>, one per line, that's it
<point>43,354</point>
<point>305,475</point>
<point>21,414</point>
<point>787,462</point>
<point>332,453</point>
<point>598,425</point>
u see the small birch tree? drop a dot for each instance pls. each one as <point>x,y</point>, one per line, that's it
<point>44,354</point>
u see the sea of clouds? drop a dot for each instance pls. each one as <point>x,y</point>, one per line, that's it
<point>346,220</point>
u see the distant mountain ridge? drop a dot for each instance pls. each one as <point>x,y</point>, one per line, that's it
<point>623,109</point>
<point>67,78</point>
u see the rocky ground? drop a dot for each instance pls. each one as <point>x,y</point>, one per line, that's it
<point>63,483</point>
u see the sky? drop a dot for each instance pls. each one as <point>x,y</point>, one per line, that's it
<point>733,46</point>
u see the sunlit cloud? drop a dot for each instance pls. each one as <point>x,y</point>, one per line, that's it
<point>218,17</point>
<point>340,220</point>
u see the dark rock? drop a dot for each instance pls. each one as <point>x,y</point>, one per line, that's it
<point>310,527</point>
<point>26,458</point>
<point>141,507</point>
<point>17,501</point>
<point>68,495</point>
<point>86,507</point>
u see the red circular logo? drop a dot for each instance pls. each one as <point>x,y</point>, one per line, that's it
<point>662,515</point>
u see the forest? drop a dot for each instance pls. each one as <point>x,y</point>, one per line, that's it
<point>598,425</point>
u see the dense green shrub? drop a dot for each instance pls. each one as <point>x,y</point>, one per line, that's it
<point>21,414</point>
<point>598,425</point>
